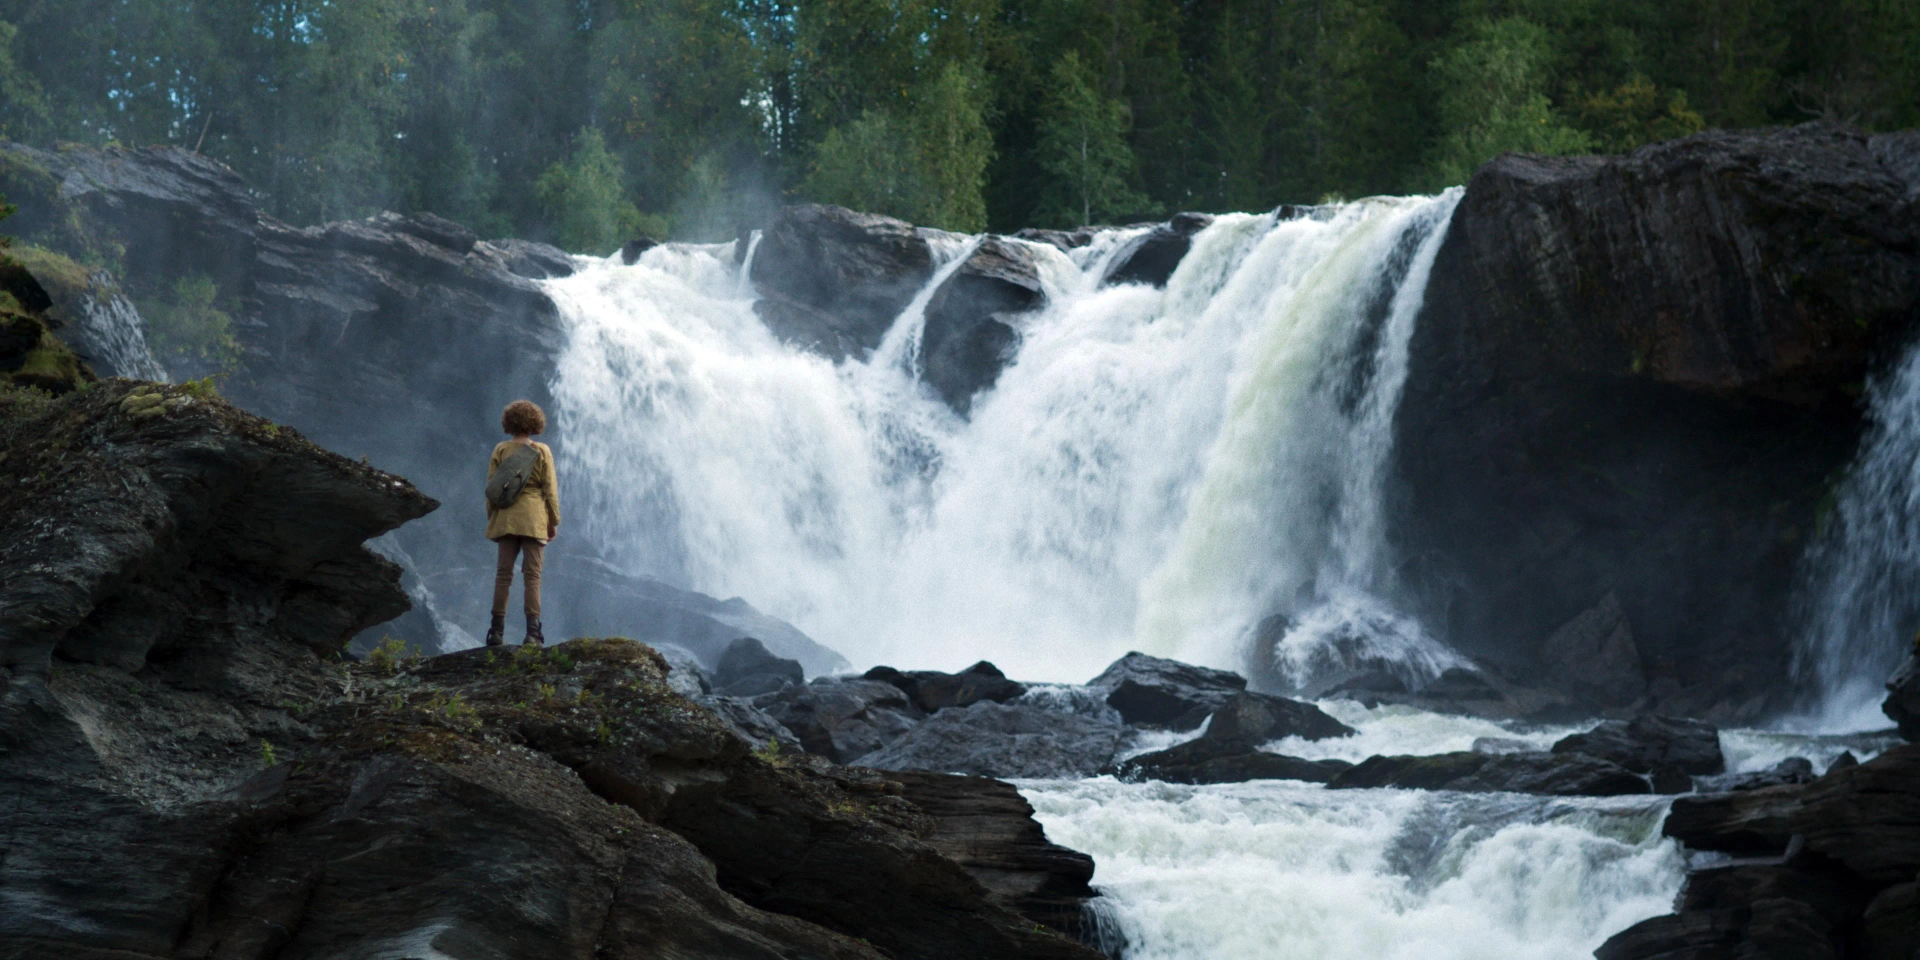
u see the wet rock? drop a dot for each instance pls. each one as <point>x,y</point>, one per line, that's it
<point>750,723</point>
<point>1002,740</point>
<point>1902,705</point>
<point>1745,911</point>
<point>968,337</point>
<point>1228,751</point>
<point>1865,819</point>
<point>988,828</point>
<point>685,674</point>
<point>1670,778</point>
<point>1152,257</point>
<point>843,719</point>
<point>1065,240</point>
<point>747,664</point>
<point>1891,924</point>
<point>1792,770</point>
<point>1646,743</point>
<point>1556,774</point>
<point>1630,377</point>
<point>1845,761</point>
<point>932,690</point>
<point>534,261</point>
<point>1595,654</point>
<point>630,251</point>
<point>1500,745</point>
<point>1154,690</point>
<point>1459,683</point>
<point>832,280</point>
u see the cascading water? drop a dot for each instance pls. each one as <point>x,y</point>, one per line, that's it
<point>1156,469</point>
<point>112,335</point>
<point>1862,593</point>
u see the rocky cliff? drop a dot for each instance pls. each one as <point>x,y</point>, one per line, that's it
<point>195,772</point>
<point>1634,382</point>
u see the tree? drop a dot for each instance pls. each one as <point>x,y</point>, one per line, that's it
<point>1493,99</point>
<point>586,206</point>
<point>928,169</point>
<point>1635,113</point>
<point>1083,147</point>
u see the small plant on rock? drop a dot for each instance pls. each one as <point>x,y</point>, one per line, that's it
<point>267,755</point>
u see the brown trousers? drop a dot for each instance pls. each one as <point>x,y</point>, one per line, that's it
<point>535,551</point>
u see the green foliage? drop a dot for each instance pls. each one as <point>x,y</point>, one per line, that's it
<point>928,168</point>
<point>187,329</point>
<point>1083,148</point>
<point>268,757</point>
<point>1493,99</point>
<point>586,203</point>
<point>391,655</point>
<point>1635,113</point>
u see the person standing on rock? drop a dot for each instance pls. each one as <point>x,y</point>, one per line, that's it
<point>523,513</point>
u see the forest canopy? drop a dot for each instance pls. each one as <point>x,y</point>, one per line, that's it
<point>586,121</point>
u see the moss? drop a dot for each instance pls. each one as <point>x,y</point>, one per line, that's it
<point>52,367</point>
<point>58,272</point>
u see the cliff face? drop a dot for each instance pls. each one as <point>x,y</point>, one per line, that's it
<point>194,772</point>
<point>1636,378</point>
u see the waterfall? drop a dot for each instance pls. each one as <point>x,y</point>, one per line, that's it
<point>1156,469</point>
<point>1861,601</point>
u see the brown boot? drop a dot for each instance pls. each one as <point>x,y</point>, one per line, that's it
<point>497,634</point>
<point>534,637</point>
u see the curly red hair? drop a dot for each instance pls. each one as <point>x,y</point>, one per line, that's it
<point>523,417</point>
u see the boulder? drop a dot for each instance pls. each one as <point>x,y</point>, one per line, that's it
<point>1890,927</point>
<point>631,250</point>
<point>746,668</point>
<point>932,690</point>
<point>1745,911</point>
<point>842,719</point>
<point>1646,743</point>
<point>1002,740</point>
<point>968,338</point>
<point>988,828</point>
<point>1792,770</point>
<point>1228,751</point>
<point>1556,774</point>
<point>1154,690</point>
<point>1595,653</point>
<point>684,673</point>
<point>1065,241</point>
<point>1902,705</point>
<point>1152,257</point>
<point>750,723</point>
<point>832,280</point>
<point>1634,376</point>
<point>1865,819</point>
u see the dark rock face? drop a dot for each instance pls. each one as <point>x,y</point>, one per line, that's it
<point>1566,775</point>
<point>1633,377</point>
<point>832,280</point>
<point>1792,770</point>
<point>137,517</point>
<point>932,690</point>
<point>1745,911</point>
<point>1228,752</point>
<point>1152,257</point>
<point>747,663</point>
<point>1154,690</point>
<point>988,828</point>
<point>1645,744</point>
<point>1596,655</point>
<point>842,719</point>
<point>1902,705</point>
<point>750,723</point>
<point>968,339</point>
<point>1002,740</point>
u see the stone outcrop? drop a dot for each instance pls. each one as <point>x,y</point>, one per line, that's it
<point>988,828</point>
<point>843,719</point>
<point>145,522</point>
<point>832,280</point>
<point>1635,377</point>
<point>1003,740</point>
<point>1648,743</point>
<point>932,690</point>
<point>1902,705</point>
<point>969,334</point>
<point>1152,257</point>
<point>1162,692</point>
<point>1569,775</point>
<point>1830,869</point>
<point>1228,751</point>
<point>746,668</point>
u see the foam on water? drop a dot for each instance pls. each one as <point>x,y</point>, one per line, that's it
<point>1264,870</point>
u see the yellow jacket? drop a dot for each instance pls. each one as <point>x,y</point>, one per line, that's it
<point>538,507</point>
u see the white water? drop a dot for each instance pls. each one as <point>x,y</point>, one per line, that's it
<point>1863,575</point>
<point>113,335</point>
<point>1157,470</point>
<point>1277,869</point>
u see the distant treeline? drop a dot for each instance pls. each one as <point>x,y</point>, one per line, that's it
<point>586,121</point>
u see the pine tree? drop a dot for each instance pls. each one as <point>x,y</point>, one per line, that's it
<point>586,206</point>
<point>1083,148</point>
